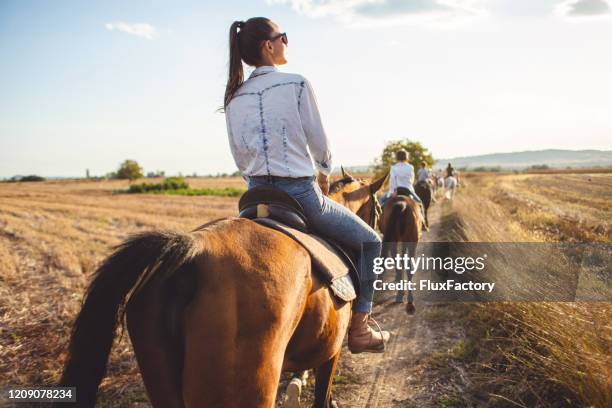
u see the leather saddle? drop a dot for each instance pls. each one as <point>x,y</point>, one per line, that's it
<point>403,191</point>
<point>274,208</point>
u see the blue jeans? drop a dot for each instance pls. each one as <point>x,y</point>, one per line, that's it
<point>335,221</point>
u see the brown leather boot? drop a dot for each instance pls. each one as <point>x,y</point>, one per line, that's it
<point>362,338</point>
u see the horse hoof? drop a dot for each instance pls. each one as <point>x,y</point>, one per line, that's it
<point>333,404</point>
<point>294,389</point>
<point>410,308</point>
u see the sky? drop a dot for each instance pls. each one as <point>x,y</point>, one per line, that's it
<point>86,85</point>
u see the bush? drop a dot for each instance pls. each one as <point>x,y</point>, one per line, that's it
<point>31,177</point>
<point>539,167</point>
<point>129,169</point>
<point>178,186</point>
<point>169,184</point>
<point>486,169</point>
<point>220,192</point>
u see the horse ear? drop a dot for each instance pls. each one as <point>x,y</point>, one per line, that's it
<point>345,174</point>
<point>376,185</point>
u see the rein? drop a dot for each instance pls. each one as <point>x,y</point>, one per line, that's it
<point>375,209</point>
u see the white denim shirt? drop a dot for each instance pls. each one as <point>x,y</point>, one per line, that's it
<point>402,175</point>
<point>274,126</point>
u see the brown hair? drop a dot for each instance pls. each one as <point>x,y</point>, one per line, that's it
<point>401,155</point>
<point>245,39</point>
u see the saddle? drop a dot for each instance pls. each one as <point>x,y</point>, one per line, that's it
<point>403,191</point>
<point>275,209</point>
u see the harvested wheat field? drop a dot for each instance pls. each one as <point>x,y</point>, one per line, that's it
<point>528,354</point>
<point>54,234</point>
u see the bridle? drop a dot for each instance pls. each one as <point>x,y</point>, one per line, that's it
<point>375,208</point>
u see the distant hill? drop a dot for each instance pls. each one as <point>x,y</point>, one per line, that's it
<point>554,158</point>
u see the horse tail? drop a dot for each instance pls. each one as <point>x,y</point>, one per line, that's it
<point>396,224</point>
<point>124,272</point>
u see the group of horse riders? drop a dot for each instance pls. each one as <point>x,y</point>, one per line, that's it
<point>245,305</point>
<point>401,178</point>
<point>279,141</point>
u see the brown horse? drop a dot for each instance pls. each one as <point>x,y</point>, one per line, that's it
<point>423,190</point>
<point>401,224</point>
<point>215,315</point>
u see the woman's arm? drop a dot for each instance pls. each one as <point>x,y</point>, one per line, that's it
<point>318,143</point>
<point>392,180</point>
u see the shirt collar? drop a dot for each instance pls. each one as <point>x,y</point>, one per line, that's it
<point>264,69</point>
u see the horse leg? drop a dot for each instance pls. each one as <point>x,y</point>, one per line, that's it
<point>399,275</point>
<point>410,249</point>
<point>324,377</point>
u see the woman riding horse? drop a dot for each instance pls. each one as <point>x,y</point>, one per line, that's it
<point>274,127</point>
<point>401,178</point>
<point>216,315</point>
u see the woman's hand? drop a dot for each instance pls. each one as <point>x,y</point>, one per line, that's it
<point>323,181</point>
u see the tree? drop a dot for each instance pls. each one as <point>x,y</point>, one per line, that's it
<point>130,170</point>
<point>417,152</point>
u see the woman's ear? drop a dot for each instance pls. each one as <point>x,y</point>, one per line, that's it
<point>268,46</point>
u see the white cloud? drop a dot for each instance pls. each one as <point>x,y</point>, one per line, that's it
<point>439,13</point>
<point>142,30</point>
<point>585,9</point>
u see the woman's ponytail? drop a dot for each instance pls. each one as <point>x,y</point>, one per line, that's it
<point>236,73</point>
<point>245,39</point>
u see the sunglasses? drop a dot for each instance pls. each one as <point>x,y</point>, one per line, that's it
<point>283,36</point>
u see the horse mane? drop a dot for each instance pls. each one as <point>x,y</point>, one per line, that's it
<point>339,184</point>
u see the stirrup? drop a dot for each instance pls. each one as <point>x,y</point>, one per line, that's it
<point>378,349</point>
<point>380,330</point>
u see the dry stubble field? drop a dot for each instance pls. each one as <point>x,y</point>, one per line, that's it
<point>532,354</point>
<point>53,234</point>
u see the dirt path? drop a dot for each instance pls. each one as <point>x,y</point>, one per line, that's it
<point>398,378</point>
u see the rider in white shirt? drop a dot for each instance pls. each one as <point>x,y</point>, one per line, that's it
<point>277,140</point>
<point>401,175</point>
<point>423,174</point>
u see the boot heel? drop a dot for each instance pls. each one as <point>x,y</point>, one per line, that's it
<point>294,389</point>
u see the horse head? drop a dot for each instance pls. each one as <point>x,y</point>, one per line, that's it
<point>358,196</point>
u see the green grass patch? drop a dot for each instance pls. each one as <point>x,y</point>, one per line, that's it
<point>178,186</point>
<point>221,192</point>
<point>346,378</point>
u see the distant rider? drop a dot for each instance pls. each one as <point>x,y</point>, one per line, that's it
<point>401,178</point>
<point>423,174</point>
